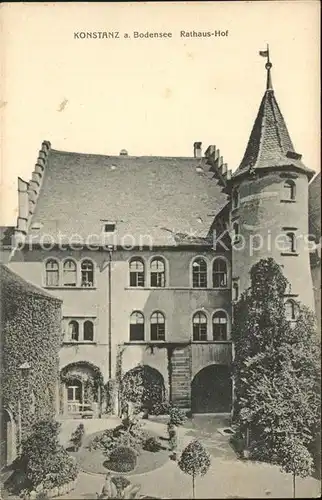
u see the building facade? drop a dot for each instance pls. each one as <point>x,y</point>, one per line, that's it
<point>148,255</point>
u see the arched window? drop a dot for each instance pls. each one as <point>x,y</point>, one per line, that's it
<point>136,272</point>
<point>289,190</point>
<point>69,273</point>
<point>137,326</point>
<point>73,330</point>
<point>157,326</point>
<point>52,273</point>
<point>290,246</point>
<point>199,273</point>
<point>219,273</point>
<point>157,273</point>
<point>199,323</point>
<point>235,198</point>
<point>88,331</point>
<point>219,325</point>
<point>290,310</point>
<point>87,273</point>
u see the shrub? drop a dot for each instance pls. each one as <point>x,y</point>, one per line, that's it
<point>77,436</point>
<point>104,441</point>
<point>122,459</point>
<point>161,408</point>
<point>44,460</point>
<point>43,439</point>
<point>177,416</point>
<point>152,444</point>
<point>53,470</point>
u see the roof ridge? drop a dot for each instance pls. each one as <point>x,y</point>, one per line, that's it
<point>123,157</point>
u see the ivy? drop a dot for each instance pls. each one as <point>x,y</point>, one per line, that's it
<point>31,329</point>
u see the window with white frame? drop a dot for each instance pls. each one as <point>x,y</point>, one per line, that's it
<point>69,273</point>
<point>219,273</point>
<point>199,273</point>
<point>52,272</point>
<point>220,326</point>
<point>199,326</point>
<point>157,326</point>
<point>87,273</point>
<point>157,272</point>
<point>137,273</point>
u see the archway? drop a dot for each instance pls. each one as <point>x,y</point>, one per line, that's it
<point>211,390</point>
<point>144,386</point>
<point>81,384</point>
<point>8,438</point>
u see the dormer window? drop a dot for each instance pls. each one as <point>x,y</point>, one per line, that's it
<point>109,227</point>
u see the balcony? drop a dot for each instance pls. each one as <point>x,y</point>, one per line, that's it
<point>205,353</point>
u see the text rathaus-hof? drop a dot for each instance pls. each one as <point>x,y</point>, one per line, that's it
<point>127,244</point>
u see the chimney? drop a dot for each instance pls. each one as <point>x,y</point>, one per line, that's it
<point>197,152</point>
<point>123,152</point>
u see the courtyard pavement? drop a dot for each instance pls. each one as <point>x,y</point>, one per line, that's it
<point>227,477</point>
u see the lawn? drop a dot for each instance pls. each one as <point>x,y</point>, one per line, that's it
<point>94,461</point>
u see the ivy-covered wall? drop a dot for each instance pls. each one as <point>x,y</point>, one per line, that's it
<point>30,333</point>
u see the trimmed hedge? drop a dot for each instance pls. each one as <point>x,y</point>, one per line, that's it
<point>122,459</point>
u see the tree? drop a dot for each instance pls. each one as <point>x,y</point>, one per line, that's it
<point>277,372</point>
<point>195,461</point>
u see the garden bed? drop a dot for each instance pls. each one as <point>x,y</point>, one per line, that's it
<point>95,462</point>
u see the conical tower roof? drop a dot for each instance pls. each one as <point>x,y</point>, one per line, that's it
<point>270,144</point>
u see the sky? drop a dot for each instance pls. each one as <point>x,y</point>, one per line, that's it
<point>152,96</point>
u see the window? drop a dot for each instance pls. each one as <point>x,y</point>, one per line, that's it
<point>235,290</point>
<point>52,273</point>
<point>290,310</point>
<point>199,326</point>
<point>289,190</point>
<point>109,227</point>
<point>219,273</point>
<point>69,273</point>
<point>219,326</point>
<point>290,246</point>
<point>157,326</point>
<point>74,391</point>
<point>136,273</point>
<point>79,329</point>
<point>137,326</point>
<point>236,234</point>
<point>88,331</point>
<point>199,273</point>
<point>87,273</point>
<point>235,198</point>
<point>73,330</point>
<point>157,270</point>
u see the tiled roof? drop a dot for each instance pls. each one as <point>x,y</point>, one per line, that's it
<point>270,144</point>
<point>11,280</point>
<point>315,207</point>
<point>173,200</point>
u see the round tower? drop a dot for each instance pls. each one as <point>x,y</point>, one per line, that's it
<point>269,203</point>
